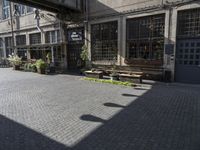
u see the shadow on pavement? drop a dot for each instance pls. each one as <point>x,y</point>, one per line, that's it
<point>113,105</point>
<point>92,118</point>
<point>160,119</point>
<point>14,136</point>
<point>130,95</point>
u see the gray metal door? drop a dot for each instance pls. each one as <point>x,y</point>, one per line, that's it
<point>188,61</point>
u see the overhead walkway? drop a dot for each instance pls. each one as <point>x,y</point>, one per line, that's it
<point>56,6</point>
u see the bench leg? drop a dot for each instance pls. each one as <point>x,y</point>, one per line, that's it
<point>140,80</point>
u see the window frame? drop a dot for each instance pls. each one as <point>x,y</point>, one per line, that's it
<point>104,41</point>
<point>146,39</point>
<point>35,43</point>
<point>50,37</point>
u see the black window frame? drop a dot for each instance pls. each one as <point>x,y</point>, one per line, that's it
<point>20,40</point>
<point>35,42</point>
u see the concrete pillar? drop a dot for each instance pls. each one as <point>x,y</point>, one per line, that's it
<point>170,38</point>
<point>4,47</point>
<point>167,40</point>
<point>64,49</point>
<point>120,32</point>
<point>42,37</point>
<point>123,41</point>
<point>89,42</point>
<point>52,54</point>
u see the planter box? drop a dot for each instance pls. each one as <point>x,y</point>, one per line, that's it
<point>114,77</point>
<point>94,74</point>
<point>16,67</point>
<point>41,71</point>
<point>131,78</point>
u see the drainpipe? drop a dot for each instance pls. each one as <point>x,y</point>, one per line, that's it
<point>162,2</point>
<point>86,24</point>
<point>38,26</point>
<point>37,17</point>
<point>86,21</point>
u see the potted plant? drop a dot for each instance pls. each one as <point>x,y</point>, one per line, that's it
<point>33,68</point>
<point>15,61</point>
<point>114,75</point>
<point>84,62</point>
<point>50,66</point>
<point>41,66</point>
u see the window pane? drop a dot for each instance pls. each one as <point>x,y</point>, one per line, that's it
<point>189,23</point>
<point>35,38</point>
<point>29,9</point>
<point>6,9</point>
<point>21,9</point>
<point>104,41</point>
<point>47,37</point>
<point>21,40</point>
<point>145,37</point>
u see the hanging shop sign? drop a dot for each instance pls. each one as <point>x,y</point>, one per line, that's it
<point>75,36</point>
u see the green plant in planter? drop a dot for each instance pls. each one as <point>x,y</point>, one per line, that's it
<point>15,61</point>
<point>27,67</point>
<point>85,58</point>
<point>41,66</point>
<point>33,67</point>
<point>84,53</point>
<point>114,75</point>
<point>49,57</point>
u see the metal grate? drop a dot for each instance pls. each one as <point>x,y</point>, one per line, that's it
<point>35,38</point>
<point>189,23</point>
<point>104,41</point>
<point>145,37</point>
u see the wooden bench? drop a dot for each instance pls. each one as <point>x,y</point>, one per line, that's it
<point>131,77</point>
<point>94,74</point>
<point>126,72</point>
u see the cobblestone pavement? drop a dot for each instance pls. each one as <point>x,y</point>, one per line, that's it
<point>63,112</point>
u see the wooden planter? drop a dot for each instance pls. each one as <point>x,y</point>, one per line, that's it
<point>131,78</point>
<point>41,70</point>
<point>114,77</point>
<point>94,74</point>
<point>16,67</point>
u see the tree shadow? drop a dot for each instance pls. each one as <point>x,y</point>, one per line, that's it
<point>130,95</point>
<point>113,105</point>
<point>92,118</point>
<point>156,120</point>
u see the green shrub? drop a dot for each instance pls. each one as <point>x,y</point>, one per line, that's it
<point>33,67</point>
<point>40,64</point>
<point>15,60</point>
<point>27,67</point>
<point>109,81</point>
<point>84,53</point>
